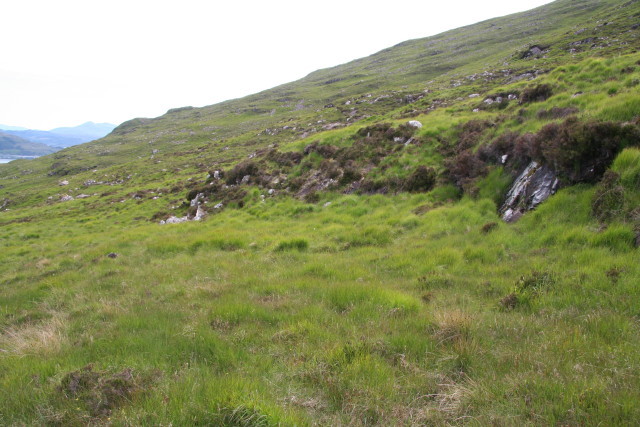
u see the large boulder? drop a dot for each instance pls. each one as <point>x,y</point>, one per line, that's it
<point>534,185</point>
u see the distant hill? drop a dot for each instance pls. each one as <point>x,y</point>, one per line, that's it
<point>65,136</point>
<point>45,137</point>
<point>87,131</point>
<point>12,145</point>
<point>6,127</point>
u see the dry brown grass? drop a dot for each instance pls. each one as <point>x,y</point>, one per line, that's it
<point>46,337</point>
<point>453,326</point>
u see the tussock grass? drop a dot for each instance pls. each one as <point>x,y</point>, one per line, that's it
<point>392,309</point>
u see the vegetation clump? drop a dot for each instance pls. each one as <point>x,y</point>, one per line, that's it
<point>609,199</point>
<point>536,93</point>
<point>99,391</point>
<point>527,288</point>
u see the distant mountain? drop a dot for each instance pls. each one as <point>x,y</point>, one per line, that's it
<point>87,131</point>
<point>65,136</point>
<point>12,145</point>
<point>6,127</point>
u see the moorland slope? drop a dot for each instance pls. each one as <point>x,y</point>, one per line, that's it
<point>332,250</point>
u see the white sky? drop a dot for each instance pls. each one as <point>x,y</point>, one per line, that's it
<point>65,62</point>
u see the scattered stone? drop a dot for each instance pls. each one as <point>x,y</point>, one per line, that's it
<point>415,124</point>
<point>577,94</point>
<point>271,191</point>
<point>174,220</point>
<point>245,179</point>
<point>534,51</point>
<point>512,97</point>
<point>527,76</point>
<point>504,158</point>
<point>327,204</point>
<point>218,206</point>
<point>82,196</point>
<point>331,126</point>
<point>488,101</point>
<point>196,200</point>
<point>63,183</point>
<point>66,198</point>
<point>474,95</point>
<point>476,110</point>
<point>112,255</point>
<point>200,213</point>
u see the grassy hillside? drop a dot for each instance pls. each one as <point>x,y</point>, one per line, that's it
<point>351,268</point>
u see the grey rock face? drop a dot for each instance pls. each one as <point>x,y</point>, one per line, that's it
<point>200,213</point>
<point>196,200</point>
<point>174,220</point>
<point>534,185</point>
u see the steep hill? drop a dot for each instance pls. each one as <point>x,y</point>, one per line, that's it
<point>445,232</point>
<point>458,62</point>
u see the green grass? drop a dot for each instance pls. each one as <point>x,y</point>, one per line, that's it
<point>392,309</point>
<point>403,324</point>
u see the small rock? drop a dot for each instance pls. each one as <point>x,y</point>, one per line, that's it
<point>476,110</point>
<point>66,198</point>
<point>474,95</point>
<point>488,101</point>
<point>62,183</point>
<point>218,206</point>
<point>200,213</point>
<point>327,204</point>
<point>271,191</point>
<point>512,97</point>
<point>196,200</point>
<point>415,124</point>
<point>174,220</point>
<point>245,179</point>
<point>82,196</point>
<point>112,255</point>
<point>504,158</point>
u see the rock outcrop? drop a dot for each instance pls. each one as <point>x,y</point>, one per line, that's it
<point>534,185</point>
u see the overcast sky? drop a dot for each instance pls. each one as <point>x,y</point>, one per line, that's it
<point>65,62</point>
